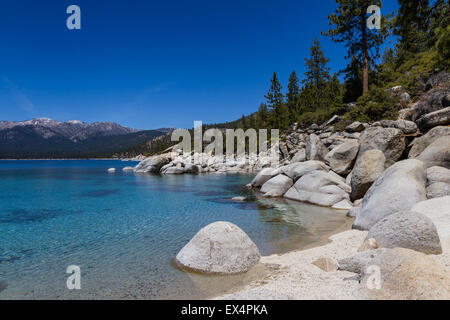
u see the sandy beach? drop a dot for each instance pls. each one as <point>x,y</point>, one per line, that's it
<point>298,279</point>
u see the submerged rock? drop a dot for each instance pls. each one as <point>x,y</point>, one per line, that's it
<point>219,248</point>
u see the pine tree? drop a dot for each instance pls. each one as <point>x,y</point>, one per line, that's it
<point>292,96</point>
<point>243,122</point>
<point>412,26</point>
<point>350,27</point>
<point>262,117</point>
<point>274,101</point>
<point>317,72</point>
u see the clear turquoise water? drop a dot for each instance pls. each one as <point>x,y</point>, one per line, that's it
<point>124,229</point>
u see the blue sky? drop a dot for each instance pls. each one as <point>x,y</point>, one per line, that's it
<point>149,64</point>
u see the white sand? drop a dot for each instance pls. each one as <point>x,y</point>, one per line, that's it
<point>299,279</point>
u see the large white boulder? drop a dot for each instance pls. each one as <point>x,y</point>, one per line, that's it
<point>300,156</point>
<point>298,170</point>
<point>397,189</point>
<point>421,143</point>
<point>153,164</point>
<point>407,229</point>
<point>315,149</point>
<point>320,188</point>
<point>263,176</point>
<point>277,186</point>
<point>369,166</point>
<point>438,210</point>
<point>219,248</point>
<point>390,141</point>
<point>342,157</point>
<point>437,153</point>
<point>405,275</point>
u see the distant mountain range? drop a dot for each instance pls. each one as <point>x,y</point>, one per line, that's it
<point>46,138</point>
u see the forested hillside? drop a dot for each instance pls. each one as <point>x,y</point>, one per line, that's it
<point>421,29</point>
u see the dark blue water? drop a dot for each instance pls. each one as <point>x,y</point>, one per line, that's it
<point>124,229</point>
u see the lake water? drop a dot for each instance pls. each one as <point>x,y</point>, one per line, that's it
<point>124,229</point>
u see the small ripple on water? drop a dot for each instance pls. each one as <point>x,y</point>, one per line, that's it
<point>3,285</point>
<point>19,216</point>
<point>99,193</point>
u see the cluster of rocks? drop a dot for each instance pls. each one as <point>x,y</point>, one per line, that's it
<point>177,162</point>
<point>392,176</point>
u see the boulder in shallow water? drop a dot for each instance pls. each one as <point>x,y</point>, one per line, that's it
<point>153,164</point>
<point>112,170</point>
<point>409,230</point>
<point>219,248</point>
<point>263,176</point>
<point>320,188</point>
<point>277,186</point>
<point>397,189</point>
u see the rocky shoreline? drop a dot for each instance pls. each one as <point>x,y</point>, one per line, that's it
<point>392,176</point>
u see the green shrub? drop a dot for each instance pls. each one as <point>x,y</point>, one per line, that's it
<point>376,105</point>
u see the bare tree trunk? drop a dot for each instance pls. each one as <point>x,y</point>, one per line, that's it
<point>365,55</point>
<point>366,74</point>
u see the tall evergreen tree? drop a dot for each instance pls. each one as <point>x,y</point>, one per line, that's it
<point>262,117</point>
<point>350,27</point>
<point>275,101</point>
<point>412,25</point>
<point>317,72</point>
<point>243,122</point>
<point>292,96</point>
